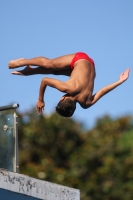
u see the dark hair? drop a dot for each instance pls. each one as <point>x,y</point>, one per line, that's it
<point>66,107</point>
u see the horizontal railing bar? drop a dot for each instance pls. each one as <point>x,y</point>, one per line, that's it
<point>9,107</point>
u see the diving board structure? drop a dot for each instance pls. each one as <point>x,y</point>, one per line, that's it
<point>31,187</point>
<point>16,186</point>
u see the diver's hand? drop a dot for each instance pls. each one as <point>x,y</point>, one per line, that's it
<point>124,76</point>
<point>40,106</point>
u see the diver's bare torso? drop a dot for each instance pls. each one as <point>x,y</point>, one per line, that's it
<point>82,82</point>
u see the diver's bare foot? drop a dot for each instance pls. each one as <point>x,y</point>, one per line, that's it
<point>15,63</point>
<point>25,72</point>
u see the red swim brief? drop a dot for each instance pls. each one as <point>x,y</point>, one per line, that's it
<point>81,55</point>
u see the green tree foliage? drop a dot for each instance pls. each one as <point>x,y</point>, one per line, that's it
<point>47,143</point>
<point>99,162</point>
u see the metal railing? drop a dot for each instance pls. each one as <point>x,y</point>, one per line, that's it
<point>9,138</point>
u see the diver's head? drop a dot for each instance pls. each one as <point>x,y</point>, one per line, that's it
<point>66,106</point>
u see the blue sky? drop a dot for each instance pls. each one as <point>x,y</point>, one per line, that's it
<point>102,29</point>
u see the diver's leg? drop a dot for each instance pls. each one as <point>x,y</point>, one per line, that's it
<point>29,70</point>
<point>62,62</point>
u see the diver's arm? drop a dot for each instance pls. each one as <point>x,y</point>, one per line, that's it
<point>123,77</point>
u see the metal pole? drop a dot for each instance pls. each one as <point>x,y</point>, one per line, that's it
<point>9,107</point>
<point>16,162</point>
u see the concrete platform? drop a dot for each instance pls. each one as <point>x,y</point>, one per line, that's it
<point>15,186</point>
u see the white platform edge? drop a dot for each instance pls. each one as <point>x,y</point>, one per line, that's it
<point>26,185</point>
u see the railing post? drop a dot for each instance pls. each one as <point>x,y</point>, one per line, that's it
<point>8,127</point>
<point>16,161</point>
